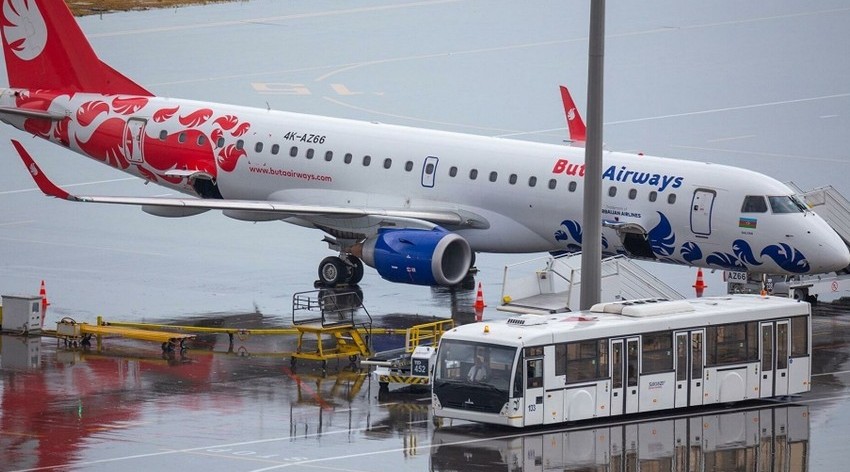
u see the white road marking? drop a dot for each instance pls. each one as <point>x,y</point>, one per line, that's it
<point>731,138</point>
<point>763,154</point>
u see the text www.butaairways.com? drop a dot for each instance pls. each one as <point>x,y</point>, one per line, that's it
<point>292,174</point>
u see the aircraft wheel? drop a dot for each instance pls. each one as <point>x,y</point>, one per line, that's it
<point>355,271</point>
<point>332,271</point>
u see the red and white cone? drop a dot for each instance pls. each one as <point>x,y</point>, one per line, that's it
<point>699,285</point>
<point>479,304</point>
<point>44,302</point>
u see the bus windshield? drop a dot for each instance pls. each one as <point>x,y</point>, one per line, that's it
<point>475,363</point>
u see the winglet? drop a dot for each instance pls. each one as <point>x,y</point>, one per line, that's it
<point>578,132</point>
<point>46,186</point>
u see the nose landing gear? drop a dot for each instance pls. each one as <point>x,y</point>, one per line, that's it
<point>336,270</point>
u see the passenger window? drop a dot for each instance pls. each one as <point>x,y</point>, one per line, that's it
<point>512,179</point>
<point>453,171</point>
<point>201,140</point>
<point>293,151</point>
<point>275,149</point>
<point>653,195</point>
<point>347,158</point>
<point>671,199</point>
<point>388,163</point>
<point>429,168</point>
<point>240,144</point>
<point>612,191</point>
<point>367,159</point>
<point>163,135</point>
<point>553,183</point>
<point>532,181</point>
<point>493,176</point>
<point>181,138</point>
<point>310,153</point>
<point>632,194</point>
<point>329,155</point>
<point>220,142</point>
<point>258,147</point>
<point>754,204</point>
<point>408,166</point>
<point>473,174</point>
<point>572,187</point>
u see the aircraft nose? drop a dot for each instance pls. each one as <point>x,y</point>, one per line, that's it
<point>834,254</point>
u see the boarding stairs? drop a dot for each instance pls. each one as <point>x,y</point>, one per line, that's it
<point>339,322</point>
<point>551,284</point>
<point>831,206</point>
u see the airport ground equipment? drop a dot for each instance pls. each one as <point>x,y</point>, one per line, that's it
<point>550,284</point>
<point>413,365</point>
<point>80,334</point>
<point>337,317</point>
<point>620,358</point>
<point>21,314</point>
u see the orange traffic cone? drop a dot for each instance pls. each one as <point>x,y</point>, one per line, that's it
<point>700,285</point>
<point>44,302</point>
<point>479,304</point>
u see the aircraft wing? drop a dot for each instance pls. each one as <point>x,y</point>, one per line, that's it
<point>454,219</point>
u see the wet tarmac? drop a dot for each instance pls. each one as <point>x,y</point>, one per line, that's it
<point>243,406</point>
<point>752,85</point>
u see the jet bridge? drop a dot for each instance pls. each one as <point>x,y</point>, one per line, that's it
<point>552,284</point>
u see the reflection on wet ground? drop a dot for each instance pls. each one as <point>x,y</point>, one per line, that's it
<point>243,407</point>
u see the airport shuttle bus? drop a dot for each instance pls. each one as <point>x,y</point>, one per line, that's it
<point>623,357</point>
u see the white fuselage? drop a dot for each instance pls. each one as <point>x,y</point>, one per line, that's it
<point>530,194</point>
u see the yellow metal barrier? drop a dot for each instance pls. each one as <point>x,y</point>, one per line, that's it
<point>427,333</point>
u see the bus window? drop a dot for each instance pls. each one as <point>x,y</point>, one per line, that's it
<point>632,360</point>
<point>517,389</point>
<point>617,364</point>
<point>781,346</point>
<point>657,352</point>
<point>534,373</point>
<point>732,343</point>
<point>587,360</point>
<point>799,336</point>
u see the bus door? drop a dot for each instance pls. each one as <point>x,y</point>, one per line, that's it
<point>689,368</point>
<point>774,359</point>
<point>534,391</point>
<point>625,358</point>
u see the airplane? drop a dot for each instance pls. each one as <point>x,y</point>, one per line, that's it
<point>414,204</point>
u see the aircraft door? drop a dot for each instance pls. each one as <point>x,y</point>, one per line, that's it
<point>134,134</point>
<point>701,207</point>
<point>429,171</point>
<point>534,391</point>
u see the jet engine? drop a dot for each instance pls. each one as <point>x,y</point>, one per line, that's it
<point>418,256</point>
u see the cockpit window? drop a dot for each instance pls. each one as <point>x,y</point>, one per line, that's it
<point>754,204</point>
<point>786,204</point>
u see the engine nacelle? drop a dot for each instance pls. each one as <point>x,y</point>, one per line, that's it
<point>418,256</point>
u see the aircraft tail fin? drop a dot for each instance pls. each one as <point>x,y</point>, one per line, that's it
<point>578,131</point>
<point>45,49</point>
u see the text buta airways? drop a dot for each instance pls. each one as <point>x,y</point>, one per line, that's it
<point>621,174</point>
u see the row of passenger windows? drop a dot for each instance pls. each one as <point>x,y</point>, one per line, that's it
<point>735,343</point>
<point>348,158</point>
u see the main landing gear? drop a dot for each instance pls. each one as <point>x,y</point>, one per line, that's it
<point>336,270</point>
